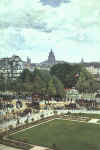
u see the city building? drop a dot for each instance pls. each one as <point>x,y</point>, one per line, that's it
<point>92,67</point>
<point>28,65</point>
<point>11,67</point>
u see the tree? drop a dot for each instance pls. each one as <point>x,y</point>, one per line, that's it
<point>2,82</point>
<point>2,85</point>
<point>59,87</point>
<point>28,87</point>
<point>41,79</point>
<point>26,76</point>
<point>32,119</point>
<point>66,73</point>
<point>51,88</point>
<point>17,86</point>
<point>86,83</point>
<point>38,85</point>
<point>27,121</point>
<point>45,75</point>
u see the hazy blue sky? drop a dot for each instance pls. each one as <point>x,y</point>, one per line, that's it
<point>32,27</point>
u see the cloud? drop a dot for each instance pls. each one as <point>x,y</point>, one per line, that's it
<point>54,3</point>
<point>28,26</point>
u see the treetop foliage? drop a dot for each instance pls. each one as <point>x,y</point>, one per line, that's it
<point>75,75</point>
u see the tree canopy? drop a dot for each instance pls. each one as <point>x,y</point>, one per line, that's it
<point>66,73</point>
<point>39,81</point>
<point>86,82</point>
<point>52,83</point>
<point>75,75</point>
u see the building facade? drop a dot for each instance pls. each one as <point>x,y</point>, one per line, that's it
<point>11,67</point>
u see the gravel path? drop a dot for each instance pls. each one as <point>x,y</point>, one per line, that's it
<point>4,147</point>
<point>47,113</point>
<point>93,120</point>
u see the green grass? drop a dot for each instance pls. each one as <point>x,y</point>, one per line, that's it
<point>98,121</point>
<point>67,135</point>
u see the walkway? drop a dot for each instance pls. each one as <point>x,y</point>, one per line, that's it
<point>39,148</point>
<point>4,147</point>
<point>47,113</point>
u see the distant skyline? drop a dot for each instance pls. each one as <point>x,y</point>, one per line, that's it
<point>31,28</point>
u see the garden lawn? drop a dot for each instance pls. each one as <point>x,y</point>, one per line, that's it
<point>63,134</point>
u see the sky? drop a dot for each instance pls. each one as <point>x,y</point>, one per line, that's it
<point>32,27</point>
